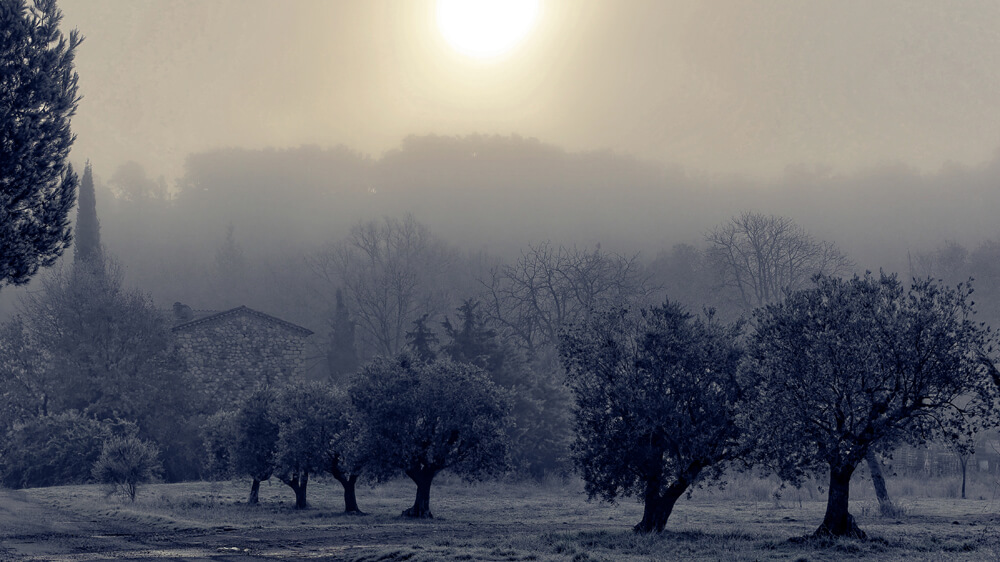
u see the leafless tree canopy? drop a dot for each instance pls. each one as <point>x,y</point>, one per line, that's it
<point>549,287</point>
<point>764,256</point>
<point>392,271</point>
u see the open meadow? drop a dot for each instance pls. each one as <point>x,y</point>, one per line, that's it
<point>491,521</point>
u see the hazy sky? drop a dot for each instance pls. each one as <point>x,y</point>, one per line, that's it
<point>719,87</point>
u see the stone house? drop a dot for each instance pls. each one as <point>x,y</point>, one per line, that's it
<point>232,352</point>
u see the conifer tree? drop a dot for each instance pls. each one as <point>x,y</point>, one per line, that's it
<point>37,99</point>
<point>342,356</point>
<point>87,245</point>
<point>421,340</point>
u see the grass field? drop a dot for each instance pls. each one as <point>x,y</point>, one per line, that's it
<point>517,521</point>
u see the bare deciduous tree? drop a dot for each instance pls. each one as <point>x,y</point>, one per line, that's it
<point>549,287</point>
<point>392,271</point>
<point>763,256</point>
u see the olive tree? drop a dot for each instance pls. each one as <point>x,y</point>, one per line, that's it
<point>341,455</point>
<point>244,441</point>
<point>419,418</point>
<point>656,395</point>
<point>860,365</point>
<point>299,413</point>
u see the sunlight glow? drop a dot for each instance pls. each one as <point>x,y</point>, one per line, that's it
<point>485,29</point>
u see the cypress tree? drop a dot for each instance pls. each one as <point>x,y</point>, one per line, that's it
<point>87,247</point>
<point>342,356</point>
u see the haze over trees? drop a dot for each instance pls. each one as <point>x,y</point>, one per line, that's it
<point>38,96</point>
<point>474,322</point>
<point>393,271</point>
<point>105,349</point>
<point>342,353</point>
<point>765,256</point>
<point>549,287</point>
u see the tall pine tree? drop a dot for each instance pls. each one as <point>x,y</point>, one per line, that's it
<point>87,246</point>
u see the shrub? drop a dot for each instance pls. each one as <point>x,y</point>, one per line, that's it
<point>126,462</point>
<point>56,449</point>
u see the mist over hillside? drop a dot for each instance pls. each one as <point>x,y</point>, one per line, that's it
<point>496,194</point>
<point>501,192</point>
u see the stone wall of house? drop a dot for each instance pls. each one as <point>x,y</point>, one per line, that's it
<point>232,355</point>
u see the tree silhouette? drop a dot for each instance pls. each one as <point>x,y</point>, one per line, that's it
<point>87,246</point>
<point>657,395</point>
<point>860,365</point>
<point>419,418</point>
<point>38,96</point>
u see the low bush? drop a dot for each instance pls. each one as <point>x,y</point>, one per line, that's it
<point>126,462</point>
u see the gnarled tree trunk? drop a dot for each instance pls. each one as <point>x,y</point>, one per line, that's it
<point>350,499</point>
<point>838,521</point>
<point>346,480</point>
<point>298,483</point>
<point>657,507</point>
<point>422,505</point>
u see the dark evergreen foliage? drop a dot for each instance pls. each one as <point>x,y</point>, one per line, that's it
<point>87,241</point>
<point>54,450</point>
<point>472,341</point>
<point>342,356</point>
<point>538,434</point>
<point>38,96</point>
<point>421,340</point>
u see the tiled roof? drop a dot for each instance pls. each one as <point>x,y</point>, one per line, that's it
<point>208,316</point>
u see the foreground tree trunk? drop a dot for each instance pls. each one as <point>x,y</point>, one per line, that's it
<point>657,507</point>
<point>422,505</point>
<point>838,521</point>
<point>350,499</point>
<point>254,492</point>
<point>878,481</point>
<point>298,484</point>
<point>348,481</point>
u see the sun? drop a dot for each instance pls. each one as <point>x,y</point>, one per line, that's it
<point>485,29</point>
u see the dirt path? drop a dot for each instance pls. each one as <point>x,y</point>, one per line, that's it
<point>32,531</point>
